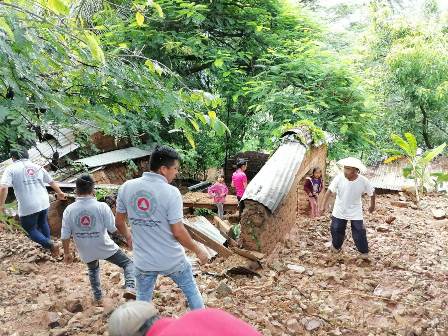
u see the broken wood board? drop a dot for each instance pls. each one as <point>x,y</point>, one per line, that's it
<point>222,226</point>
<point>202,200</point>
<point>204,231</point>
<point>252,255</point>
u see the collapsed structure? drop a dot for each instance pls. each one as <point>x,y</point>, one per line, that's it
<point>275,199</point>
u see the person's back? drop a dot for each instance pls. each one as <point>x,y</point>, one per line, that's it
<point>28,179</point>
<point>154,209</point>
<point>149,202</point>
<point>89,222</point>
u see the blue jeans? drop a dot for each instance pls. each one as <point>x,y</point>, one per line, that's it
<point>338,227</point>
<point>182,275</point>
<point>36,225</point>
<point>120,259</point>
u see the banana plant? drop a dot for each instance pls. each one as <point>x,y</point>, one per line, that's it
<point>418,164</point>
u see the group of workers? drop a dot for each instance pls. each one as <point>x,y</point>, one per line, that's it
<point>158,239</point>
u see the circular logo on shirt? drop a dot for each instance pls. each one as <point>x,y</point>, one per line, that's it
<point>144,203</point>
<point>86,221</point>
<point>30,171</point>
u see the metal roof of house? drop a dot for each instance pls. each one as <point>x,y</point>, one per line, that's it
<point>42,152</point>
<point>115,156</point>
<point>390,176</point>
<point>275,179</point>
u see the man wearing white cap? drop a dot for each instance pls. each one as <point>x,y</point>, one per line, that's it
<point>349,188</point>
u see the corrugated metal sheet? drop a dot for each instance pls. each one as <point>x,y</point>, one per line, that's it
<point>390,176</point>
<point>204,226</point>
<point>63,136</point>
<point>275,179</point>
<point>42,152</point>
<point>120,155</point>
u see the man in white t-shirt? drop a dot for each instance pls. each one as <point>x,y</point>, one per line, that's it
<point>89,223</point>
<point>28,181</point>
<point>349,188</point>
<point>154,209</point>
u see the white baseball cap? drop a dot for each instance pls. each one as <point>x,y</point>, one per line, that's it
<point>127,319</point>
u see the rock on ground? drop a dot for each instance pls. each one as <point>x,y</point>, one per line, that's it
<point>401,291</point>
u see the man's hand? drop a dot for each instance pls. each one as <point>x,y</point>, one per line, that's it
<point>68,258</point>
<point>61,196</point>
<point>202,255</point>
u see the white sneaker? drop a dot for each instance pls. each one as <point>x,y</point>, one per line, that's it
<point>364,256</point>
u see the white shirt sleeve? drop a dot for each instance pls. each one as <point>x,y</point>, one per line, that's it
<point>66,230</point>
<point>120,204</point>
<point>109,219</point>
<point>46,176</point>
<point>369,189</point>
<point>334,184</point>
<point>175,208</point>
<point>7,178</point>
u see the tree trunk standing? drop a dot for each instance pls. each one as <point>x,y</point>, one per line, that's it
<point>425,122</point>
<point>227,135</point>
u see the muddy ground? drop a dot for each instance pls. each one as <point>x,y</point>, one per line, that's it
<point>303,289</point>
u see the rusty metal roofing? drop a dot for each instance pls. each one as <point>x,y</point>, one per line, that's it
<point>390,176</point>
<point>275,179</point>
<point>115,156</point>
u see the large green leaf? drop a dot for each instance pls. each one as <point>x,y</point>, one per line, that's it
<point>403,145</point>
<point>58,6</point>
<point>412,142</point>
<point>139,18</point>
<point>431,154</point>
<point>94,46</point>
<point>6,28</point>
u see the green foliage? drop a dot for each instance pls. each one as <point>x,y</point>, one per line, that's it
<point>56,72</point>
<point>203,212</point>
<point>101,194</point>
<point>418,164</point>
<point>317,134</point>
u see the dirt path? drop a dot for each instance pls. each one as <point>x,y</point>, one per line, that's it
<point>303,289</point>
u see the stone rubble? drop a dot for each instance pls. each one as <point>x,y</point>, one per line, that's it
<point>303,289</point>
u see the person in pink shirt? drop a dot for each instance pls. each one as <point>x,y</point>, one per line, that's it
<point>239,182</point>
<point>139,318</point>
<point>219,192</point>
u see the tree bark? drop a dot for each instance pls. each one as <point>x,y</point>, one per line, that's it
<point>425,122</point>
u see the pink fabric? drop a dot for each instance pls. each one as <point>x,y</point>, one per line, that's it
<point>203,322</point>
<point>239,178</point>
<point>314,207</point>
<point>219,192</point>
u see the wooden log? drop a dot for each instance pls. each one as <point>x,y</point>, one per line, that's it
<point>252,255</point>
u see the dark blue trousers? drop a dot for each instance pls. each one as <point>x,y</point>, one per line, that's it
<point>338,227</point>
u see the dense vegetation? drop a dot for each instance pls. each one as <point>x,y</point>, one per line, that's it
<point>216,77</point>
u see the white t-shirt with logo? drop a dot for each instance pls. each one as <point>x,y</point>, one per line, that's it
<point>89,222</point>
<point>348,204</point>
<point>152,206</point>
<point>28,180</point>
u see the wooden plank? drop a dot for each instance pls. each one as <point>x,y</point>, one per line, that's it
<point>211,243</point>
<point>252,255</point>
<point>209,206</point>
<point>222,226</point>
